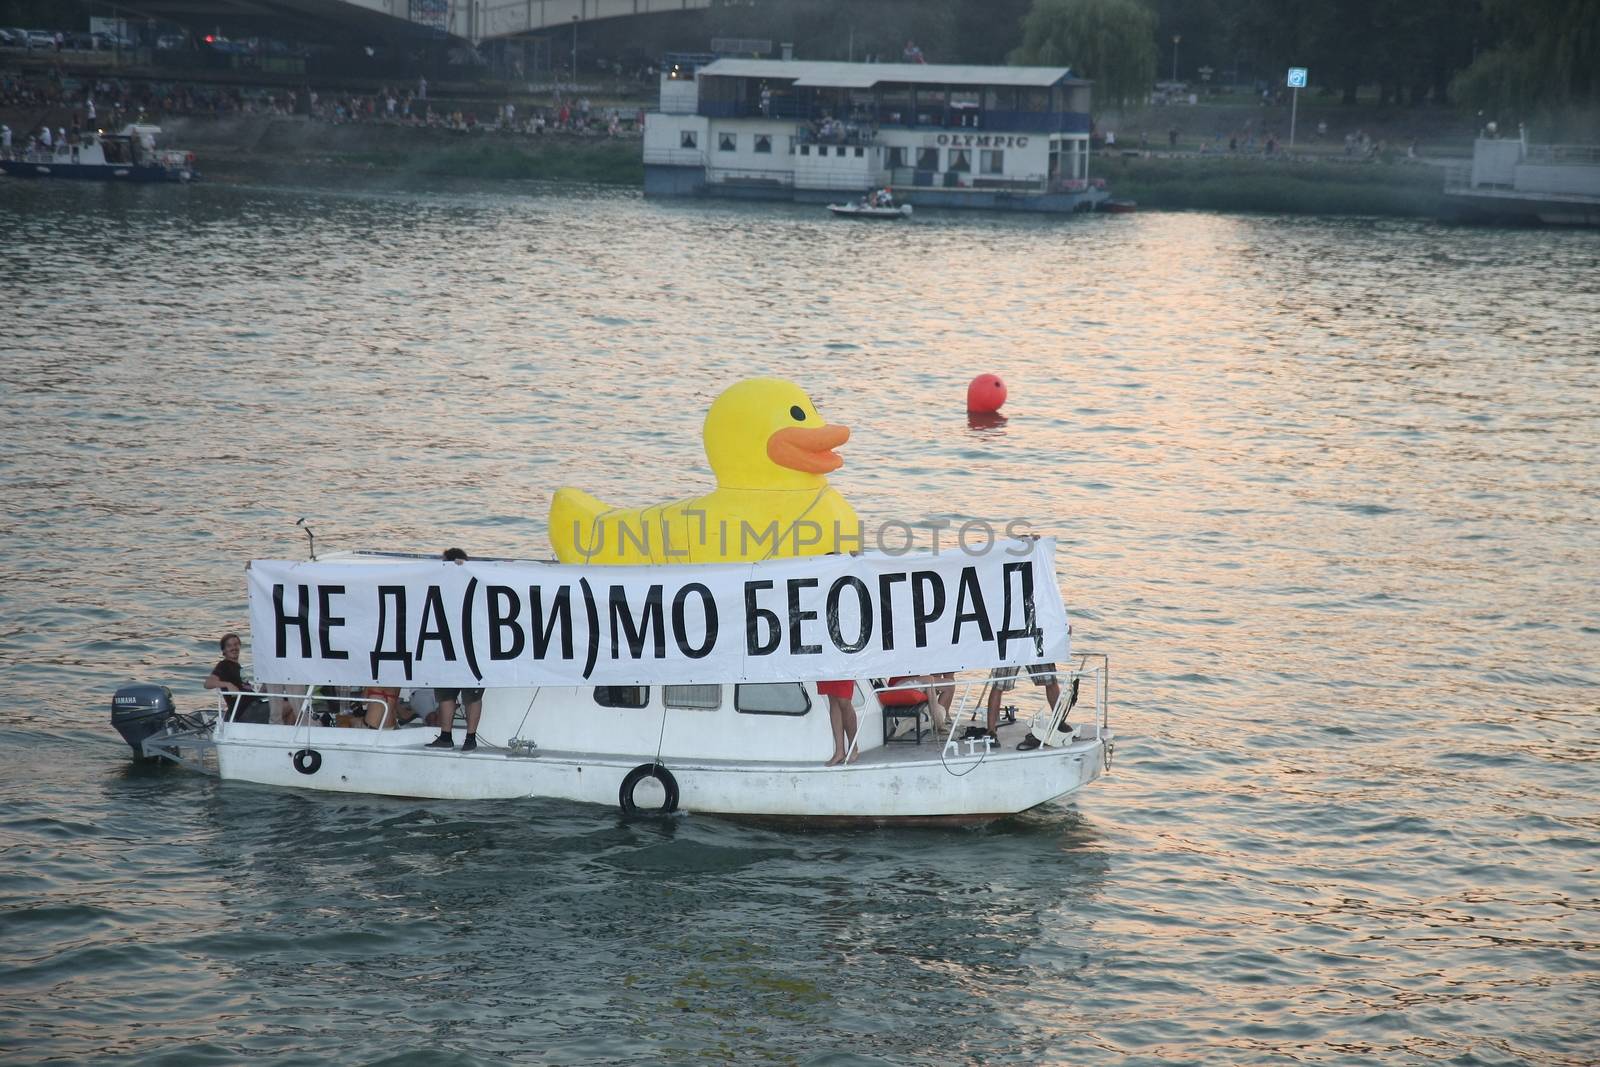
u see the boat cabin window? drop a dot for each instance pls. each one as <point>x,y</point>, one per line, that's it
<point>772,698</point>
<point>692,696</point>
<point>622,696</point>
<point>763,142</point>
<point>960,159</point>
<point>727,142</point>
<point>927,159</point>
<point>687,139</point>
<point>897,156</point>
<point>993,160</point>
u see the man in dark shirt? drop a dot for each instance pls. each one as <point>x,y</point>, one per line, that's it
<point>227,677</point>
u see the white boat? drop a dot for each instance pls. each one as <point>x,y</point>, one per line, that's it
<point>740,748</point>
<point>130,155</point>
<point>867,211</point>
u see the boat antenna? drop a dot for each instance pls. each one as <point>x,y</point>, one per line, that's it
<point>311,538</point>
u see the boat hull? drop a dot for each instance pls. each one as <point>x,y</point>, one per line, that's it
<point>951,785</point>
<point>104,172</point>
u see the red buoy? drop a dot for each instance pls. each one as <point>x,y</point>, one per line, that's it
<point>985,394</point>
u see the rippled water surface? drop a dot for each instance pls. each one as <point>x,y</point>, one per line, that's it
<point>1326,491</point>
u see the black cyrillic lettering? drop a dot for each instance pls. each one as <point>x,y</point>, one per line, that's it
<point>302,621</point>
<point>560,612</point>
<point>886,607</point>
<point>835,628</point>
<point>504,620</point>
<point>798,618</point>
<point>970,590</point>
<point>708,605</point>
<point>922,612</point>
<point>755,617</point>
<point>1030,613</point>
<point>636,630</point>
<point>398,649</point>
<point>328,621</point>
<point>435,626</point>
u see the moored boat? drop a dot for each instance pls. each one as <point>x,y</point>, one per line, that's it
<point>129,155</point>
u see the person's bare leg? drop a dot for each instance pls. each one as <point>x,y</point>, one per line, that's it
<point>1052,693</point>
<point>851,725</point>
<point>995,693</point>
<point>836,721</point>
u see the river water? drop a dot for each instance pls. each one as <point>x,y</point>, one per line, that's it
<point>1326,494</point>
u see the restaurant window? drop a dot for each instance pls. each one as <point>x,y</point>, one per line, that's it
<point>993,160</point>
<point>1000,99</point>
<point>705,697</point>
<point>688,140</point>
<point>772,698</point>
<point>727,142</point>
<point>1035,100</point>
<point>960,159</point>
<point>622,696</point>
<point>764,143</point>
<point>927,159</point>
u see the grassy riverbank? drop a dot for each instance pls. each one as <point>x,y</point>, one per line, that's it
<point>1254,184</point>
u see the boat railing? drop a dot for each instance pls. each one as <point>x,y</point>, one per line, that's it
<point>1089,675</point>
<point>308,699</point>
<point>1587,154</point>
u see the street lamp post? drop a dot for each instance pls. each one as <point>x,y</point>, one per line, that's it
<point>1175,39</point>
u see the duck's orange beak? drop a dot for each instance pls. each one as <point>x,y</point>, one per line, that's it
<point>810,451</point>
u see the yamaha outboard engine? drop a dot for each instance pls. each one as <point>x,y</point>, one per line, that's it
<point>137,711</point>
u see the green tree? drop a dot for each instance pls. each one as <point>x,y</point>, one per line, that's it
<point>1111,41</point>
<point>1547,59</point>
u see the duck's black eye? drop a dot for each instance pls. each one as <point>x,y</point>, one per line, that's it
<point>798,413</point>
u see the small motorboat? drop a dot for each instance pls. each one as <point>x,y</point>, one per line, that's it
<point>862,210</point>
<point>1119,207</point>
<point>130,155</point>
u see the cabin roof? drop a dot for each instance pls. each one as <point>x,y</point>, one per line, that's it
<point>817,74</point>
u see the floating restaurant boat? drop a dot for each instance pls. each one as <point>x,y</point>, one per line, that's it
<point>754,749</point>
<point>128,156</point>
<point>1511,180</point>
<point>943,135</point>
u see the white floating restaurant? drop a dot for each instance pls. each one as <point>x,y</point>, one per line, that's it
<point>941,135</point>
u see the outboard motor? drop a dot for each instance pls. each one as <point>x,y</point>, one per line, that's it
<point>137,711</point>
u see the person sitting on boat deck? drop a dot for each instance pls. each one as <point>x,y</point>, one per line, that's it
<point>1004,679</point>
<point>227,677</point>
<point>842,718</point>
<point>383,709</point>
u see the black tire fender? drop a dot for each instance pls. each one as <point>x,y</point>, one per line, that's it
<point>308,761</point>
<point>639,774</point>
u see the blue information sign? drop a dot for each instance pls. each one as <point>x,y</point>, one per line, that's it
<point>1297,77</point>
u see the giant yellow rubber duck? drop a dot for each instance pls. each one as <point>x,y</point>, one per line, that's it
<point>770,452</point>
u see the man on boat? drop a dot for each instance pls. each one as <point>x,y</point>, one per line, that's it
<point>447,699</point>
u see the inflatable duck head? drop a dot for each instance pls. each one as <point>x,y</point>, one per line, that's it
<point>765,433</point>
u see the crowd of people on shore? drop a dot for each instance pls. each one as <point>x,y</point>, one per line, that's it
<point>110,102</point>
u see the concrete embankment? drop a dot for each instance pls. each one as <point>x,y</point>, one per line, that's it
<point>272,145</point>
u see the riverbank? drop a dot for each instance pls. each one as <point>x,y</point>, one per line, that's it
<point>281,147</point>
<point>1296,186</point>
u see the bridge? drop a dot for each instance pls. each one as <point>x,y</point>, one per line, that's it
<point>471,20</point>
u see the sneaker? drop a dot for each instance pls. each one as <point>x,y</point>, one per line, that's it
<point>442,741</point>
<point>1029,743</point>
<point>974,732</point>
<point>469,743</point>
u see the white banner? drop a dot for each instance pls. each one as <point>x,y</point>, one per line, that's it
<point>365,621</point>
